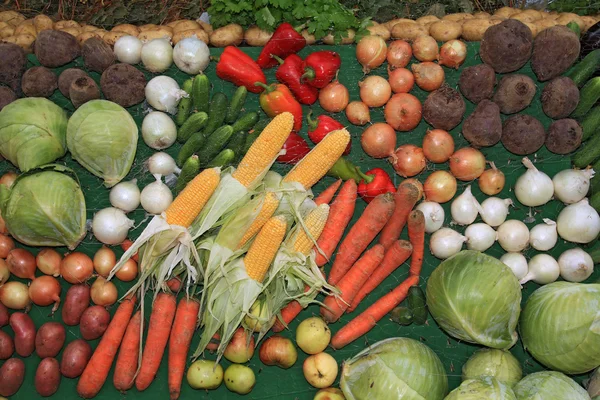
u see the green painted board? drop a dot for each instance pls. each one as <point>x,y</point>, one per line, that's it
<point>273,382</point>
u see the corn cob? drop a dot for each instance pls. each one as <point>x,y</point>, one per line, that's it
<point>269,205</point>
<point>315,222</point>
<point>192,199</point>
<point>262,251</point>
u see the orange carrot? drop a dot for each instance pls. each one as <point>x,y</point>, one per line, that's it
<point>288,314</point>
<point>370,223</point>
<point>127,361</point>
<point>161,319</point>
<point>340,214</point>
<point>393,258</point>
<point>405,197</point>
<point>364,322</point>
<point>184,326</point>
<point>416,235</point>
<point>334,306</point>
<point>327,194</point>
<point>96,371</point>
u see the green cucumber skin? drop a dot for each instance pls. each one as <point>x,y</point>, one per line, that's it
<point>223,159</point>
<point>236,144</point>
<point>590,124</point>
<point>237,102</point>
<point>194,123</point>
<point>587,154</point>
<point>246,122</point>
<point>191,168</point>
<point>588,96</point>
<point>417,305</point>
<point>185,104</point>
<point>191,147</point>
<point>402,316</point>
<point>586,68</point>
<point>214,144</point>
<point>201,93</point>
<point>216,113</point>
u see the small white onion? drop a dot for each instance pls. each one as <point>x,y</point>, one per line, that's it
<point>157,55</point>
<point>575,265</point>
<point>125,196</point>
<point>111,225</point>
<point>163,93</point>
<point>434,215</point>
<point>543,237</point>
<point>543,269</point>
<point>156,197</point>
<point>446,242</point>
<point>534,188</point>
<point>191,55</point>
<point>578,223</point>
<point>162,163</point>
<point>464,208</point>
<point>572,185</point>
<point>513,235</point>
<point>480,236</point>
<point>517,263</point>
<point>128,49</point>
<point>158,130</point>
<point>495,210</point>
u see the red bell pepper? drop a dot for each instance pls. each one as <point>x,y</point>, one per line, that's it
<point>277,99</point>
<point>382,183</point>
<point>320,127</point>
<point>237,67</point>
<point>295,149</point>
<point>290,73</point>
<point>321,67</point>
<point>285,41</point>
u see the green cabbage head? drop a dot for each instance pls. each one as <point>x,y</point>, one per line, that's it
<point>102,137</point>
<point>549,385</point>
<point>486,388</point>
<point>44,208</point>
<point>560,326</point>
<point>395,368</point>
<point>495,363</point>
<point>476,298</point>
<point>32,132</point>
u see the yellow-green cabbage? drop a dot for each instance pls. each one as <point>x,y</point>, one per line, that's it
<point>495,363</point>
<point>487,388</point>
<point>549,385</point>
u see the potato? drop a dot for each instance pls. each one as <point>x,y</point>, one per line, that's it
<point>7,346</point>
<point>408,31</point>
<point>455,17</point>
<point>588,22</point>
<point>4,314</point>
<point>127,28</point>
<point>514,93</point>
<point>309,37</point>
<point>173,23</point>
<point>111,37</point>
<point>255,36</point>
<point>42,22</point>
<point>147,27</point>
<point>544,24</point>
<point>39,82</point>
<point>554,51</point>
<point>12,374</point>
<point>56,48</point>
<point>381,31</point>
<point>156,33</point>
<point>185,25</point>
<point>426,19</point>
<point>81,39</point>
<point>66,24</point>
<point>94,321</point>
<point>24,329</point>
<point>564,136</point>
<point>50,339</point>
<point>6,31</point>
<point>330,39</point>
<point>565,18</point>
<point>7,96</point>
<point>47,377</point>
<point>13,18</point>
<point>77,298</point>
<point>560,97</point>
<point>481,15</point>
<point>123,84</point>
<point>97,55</point>
<point>12,66</point>
<point>522,134</point>
<point>199,33</point>
<point>390,24</point>
<point>506,12</point>
<point>90,28</point>
<point>477,82</point>
<point>83,90</point>
<point>25,29</point>
<point>445,30</point>
<point>24,41</point>
<point>75,358</point>
<point>473,29</point>
<point>483,127</point>
<point>506,47</point>
<point>527,16</point>
<point>228,35</point>
<point>444,108</point>
<point>206,26</point>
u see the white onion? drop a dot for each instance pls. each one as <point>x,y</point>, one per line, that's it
<point>158,130</point>
<point>156,196</point>
<point>571,185</point>
<point>575,265</point>
<point>446,242</point>
<point>517,263</point>
<point>543,269</point>
<point>128,49</point>
<point>480,236</point>
<point>464,208</point>
<point>157,55</point>
<point>191,55</point>
<point>513,235</point>
<point>163,93</point>
<point>125,196</point>
<point>162,163</point>
<point>543,237</point>
<point>111,225</point>
<point>495,210</point>
<point>533,188</point>
<point>434,215</point>
<point>578,223</point>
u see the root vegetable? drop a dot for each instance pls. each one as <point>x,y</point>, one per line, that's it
<point>7,346</point>
<point>514,93</point>
<point>55,48</point>
<point>575,265</point>
<point>375,90</point>
<point>523,134</point>
<point>309,37</point>
<point>228,35</point>
<point>379,140</point>
<point>24,329</point>
<point>12,67</point>
<point>464,208</point>
<point>445,30</point>
<point>543,269</point>
<point>440,187</point>
<point>408,160</point>
<point>507,46</point>
<point>513,235</point>
<point>358,113</point>
<point>50,339</point>
<point>161,32</point>
<point>401,80</point>
<point>403,112</point>
<point>94,321</point>
<point>12,374</point>
<point>467,164</point>
<point>6,246</point>
<point>572,185</point>
<point>543,237</point>
<point>76,302</point>
<point>533,188</point>
<point>111,37</point>
<point>425,48</point>
<point>7,96</point>
<point>45,290</point>
<point>577,223</point>
<point>371,52</point>
<point>67,77</point>
<point>47,377</point>
<point>128,49</point>
<point>123,84</point>
<point>39,82</point>
<point>564,136</point>
<point>491,181</point>
<point>128,272</point>
<point>48,262</point>
<point>42,22</point>
<point>554,51</point>
<point>438,145</point>
<point>408,30</point>
<point>380,30</point>
<point>83,90</point>
<point>560,97</point>
<point>483,128</point>
<point>444,108</point>
<point>255,36</point>
<point>474,29</point>
<point>76,267</point>
<point>97,55</point>
<point>399,54</point>
<point>445,243</point>
<point>453,54</point>
<point>334,97</point>
<point>103,292</point>
<point>433,214</point>
<point>15,295</point>
<point>74,358</point>
<point>429,76</point>
<point>21,263</point>
<point>517,263</point>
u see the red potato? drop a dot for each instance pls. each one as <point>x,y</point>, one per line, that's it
<point>24,329</point>
<point>7,346</point>
<point>75,303</point>
<point>75,358</point>
<point>47,377</point>
<point>12,374</point>
<point>50,339</point>
<point>94,321</point>
<point>4,315</point>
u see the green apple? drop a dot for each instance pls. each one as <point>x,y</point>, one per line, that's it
<point>239,379</point>
<point>205,374</point>
<point>313,335</point>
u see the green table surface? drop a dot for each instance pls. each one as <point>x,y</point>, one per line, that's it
<point>273,382</point>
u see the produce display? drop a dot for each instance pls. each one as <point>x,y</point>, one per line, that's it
<point>414,215</point>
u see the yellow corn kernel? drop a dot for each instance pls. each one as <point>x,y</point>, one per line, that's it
<point>320,159</point>
<point>314,222</point>
<point>264,247</point>
<point>192,199</point>
<point>269,205</point>
<point>264,150</point>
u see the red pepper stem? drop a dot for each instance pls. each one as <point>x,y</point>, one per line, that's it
<point>365,177</point>
<point>268,88</point>
<point>309,73</point>
<point>312,123</point>
<point>279,60</point>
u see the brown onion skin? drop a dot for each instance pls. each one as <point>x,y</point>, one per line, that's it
<point>440,187</point>
<point>104,260</point>
<point>24,329</point>
<point>450,57</point>
<point>401,80</point>
<point>403,112</point>
<point>104,293</point>
<point>7,292</point>
<point>409,160</point>
<point>467,164</point>
<point>379,140</point>
<point>491,181</point>
<point>21,263</point>
<point>358,113</point>
<point>48,261</point>
<point>334,97</point>
<point>425,48</point>
<point>375,91</point>
<point>6,245</point>
<point>429,76</point>
<point>278,350</point>
<point>399,53</point>
<point>371,52</point>
<point>438,145</point>
<point>44,291</point>
<point>76,267</point>
<point>128,272</point>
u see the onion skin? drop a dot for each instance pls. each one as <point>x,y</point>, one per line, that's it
<point>6,245</point>
<point>76,267</point>
<point>379,140</point>
<point>128,272</point>
<point>401,80</point>
<point>104,261</point>
<point>425,48</point>
<point>429,76</point>
<point>15,295</point>
<point>8,179</point>
<point>491,181</point>
<point>453,53</point>
<point>399,54</point>
<point>438,145</point>
<point>371,52</point>
<point>375,91</point>
<point>21,263</point>
<point>358,113</point>
<point>4,272</point>
<point>409,160</point>
<point>334,97</point>
<point>44,291</point>
<point>48,261</point>
<point>403,112</point>
<point>440,187</point>
<point>467,164</point>
<point>103,292</point>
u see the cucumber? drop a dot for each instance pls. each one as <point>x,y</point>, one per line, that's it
<point>224,158</point>
<point>236,143</point>
<point>190,169</point>
<point>194,123</point>
<point>192,146</point>
<point>215,143</point>
<point>595,181</point>
<point>260,126</point>
<point>417,305</point>
<point>584,70</point>
<point>575,28</point>
<point>216,113</point>
<point>253,134</point>
<point>588,96</point>
<point>595,201</point>
<point>402,316</point>
<point>201,93</point>
<point>249,141</point>
<point>588,153</point>
<point>185,104</point>
<point>237,102</point>
<point>590,124</point>
<point>246,121</point>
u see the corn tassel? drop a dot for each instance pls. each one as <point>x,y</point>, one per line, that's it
<point>192,199</point>
<point>266,244</point>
